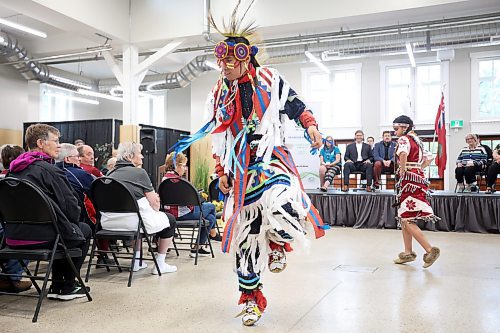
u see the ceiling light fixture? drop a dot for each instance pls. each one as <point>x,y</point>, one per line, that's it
<point>409,50</point>
<point>98,94</point>
<point>73,98</point>
<point>316,61</point>
<point>70,82</point>
<point>24,28</point>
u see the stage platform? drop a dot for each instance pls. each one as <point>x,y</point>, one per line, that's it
<point>463,212</point>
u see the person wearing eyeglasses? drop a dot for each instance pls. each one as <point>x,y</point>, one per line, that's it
<point>471,160</point>
<point>37,166</point>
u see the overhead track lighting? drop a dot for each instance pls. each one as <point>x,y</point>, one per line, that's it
<point>73,98</point>
<point>409,50</point>
<point>66,55</point>
<point>24,28</point>
<point>316,61</point>
<point>70,82</point>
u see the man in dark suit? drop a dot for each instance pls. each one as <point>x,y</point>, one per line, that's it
<point>358,157</point>
<point>383,153</point>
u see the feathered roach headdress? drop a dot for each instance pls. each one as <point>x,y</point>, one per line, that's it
<point>237,35</point>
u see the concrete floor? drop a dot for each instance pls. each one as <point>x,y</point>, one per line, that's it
<point>459,293</point>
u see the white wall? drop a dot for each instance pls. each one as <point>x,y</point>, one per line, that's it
<point>13,97</point>
<point>179,109</point>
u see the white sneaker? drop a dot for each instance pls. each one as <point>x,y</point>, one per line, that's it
<point>460,187</point>
<point>164,268</point>
<point>138,267</point>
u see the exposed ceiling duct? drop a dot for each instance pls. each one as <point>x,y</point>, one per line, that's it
<point>12,51</point>
<point>472,31</point>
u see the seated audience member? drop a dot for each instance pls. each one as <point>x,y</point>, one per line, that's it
<point>383,154</point>
<point>37,166</point>
<point>330,163</point>
<point>110,165</point>
<point>79,142</point>
<point>471,160</point>
<point>9,153</point>
<point>371,141</point>
<point>69,162</point>
<point>493,171</point>
<point>87,160</point>
<point>489,153</point>
<point>128,171</point>
<point>12,266</point>
<point>358,157</point>
<point>182,213</point>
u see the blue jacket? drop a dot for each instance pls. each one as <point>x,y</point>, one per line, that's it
<point>379,151</point>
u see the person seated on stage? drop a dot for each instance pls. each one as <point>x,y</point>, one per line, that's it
<point>493,171</point>
<point>471,160</point>
<point>9,153</point>
<point>182,213</point>
<point>371,141</point>
<point>383,154</point>
<point>358,157</point>
<point>37,166</point>
<point>330,163</point>
<point>79,142</point>
<point>489,154</point>
<point>87,160</point>
<point>128,171</point>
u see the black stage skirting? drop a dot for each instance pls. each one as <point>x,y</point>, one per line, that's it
<point>458,212</point>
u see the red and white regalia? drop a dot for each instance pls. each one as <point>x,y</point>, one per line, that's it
<point>412,187</point>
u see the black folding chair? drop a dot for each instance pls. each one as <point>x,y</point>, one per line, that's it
<point>213,194</point>
<point>111,196</point>
<point>24,206</point>
<point>179,192</point>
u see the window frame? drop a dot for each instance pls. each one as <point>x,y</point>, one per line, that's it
<point>479,125</point>
<point>445,77</point>
<point>341,131</point>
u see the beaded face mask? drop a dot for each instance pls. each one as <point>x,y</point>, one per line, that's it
<point>240,51</point>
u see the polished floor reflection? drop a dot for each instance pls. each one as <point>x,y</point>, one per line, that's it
<point>345,282</point>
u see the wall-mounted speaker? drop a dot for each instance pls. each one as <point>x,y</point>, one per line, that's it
<point>148,140</point>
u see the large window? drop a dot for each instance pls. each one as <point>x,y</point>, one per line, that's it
<point>151,109</point>
<point>485,84</point>
<point>334,98</point>
<point>414,91</point>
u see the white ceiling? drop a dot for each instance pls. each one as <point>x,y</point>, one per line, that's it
<point>69,29</point>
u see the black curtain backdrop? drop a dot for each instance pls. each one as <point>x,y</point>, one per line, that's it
<point>93,132</point>
<point>165,138</point>
<point>458,212</point>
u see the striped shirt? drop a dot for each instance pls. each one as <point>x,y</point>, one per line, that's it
<point>477,155</point>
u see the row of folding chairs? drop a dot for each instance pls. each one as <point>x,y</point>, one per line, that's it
<point>23,204</point>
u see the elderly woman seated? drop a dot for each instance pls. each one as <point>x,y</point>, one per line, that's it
<point>493,171</point>
<point>128,171</point>
<point>471,160</point>
<point>330,163</point>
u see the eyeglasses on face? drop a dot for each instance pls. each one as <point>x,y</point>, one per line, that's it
<point>56,141</point>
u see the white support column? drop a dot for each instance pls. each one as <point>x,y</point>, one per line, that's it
<point>130,84</point>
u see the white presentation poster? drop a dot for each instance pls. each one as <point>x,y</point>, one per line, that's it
<point>307,164</point>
